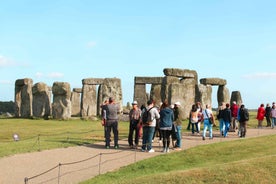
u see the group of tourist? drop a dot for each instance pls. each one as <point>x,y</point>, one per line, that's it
<point>269,113</point>
<point>230,116</point>
<point>146,122</point>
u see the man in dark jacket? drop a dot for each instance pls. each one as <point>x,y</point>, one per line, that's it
<point>244,117</point>
<point>227,117</point>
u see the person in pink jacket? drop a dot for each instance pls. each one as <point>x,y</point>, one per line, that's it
<point>260,115</point>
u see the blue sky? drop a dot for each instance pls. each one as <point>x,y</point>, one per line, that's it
<point>69,40</point>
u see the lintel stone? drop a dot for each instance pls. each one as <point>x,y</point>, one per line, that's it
<point>93,81</point>
<point>213,81</point>
<point>77,90</point>
<point>148,80</point>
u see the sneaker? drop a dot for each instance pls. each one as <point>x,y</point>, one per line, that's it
<point>168,150</point>
<point>143,150</point>
<point>151,151</point>
<point>107,147</point>
<point>116,147</point>
<point>177,149</point>
<point>164,150</point>
<point>203,138</point>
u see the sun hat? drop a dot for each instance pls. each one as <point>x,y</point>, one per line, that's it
<point>177,103</point>
<point>134,102</point>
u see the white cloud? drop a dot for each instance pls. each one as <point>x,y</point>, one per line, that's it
<point>262,75</point>
<point>4,62</point>
<point>91,44</point>
<point>6,82</point>
<point>55,75</point>
<point>39,74</point>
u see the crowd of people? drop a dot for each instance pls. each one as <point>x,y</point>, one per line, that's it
<point>148,122</point>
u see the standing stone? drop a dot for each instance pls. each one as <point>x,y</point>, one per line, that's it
<point>41,100</point>
<point>204,94</point>
<point>61,108</point>
<point>111,87</point>
<point>223,95</point>
<point>23,98</point>
<point>140,94</point>
<point>166,86</point>
<point>155,93</point>
<point>88,101</point>
<point>236,96</point>
<point>76,101</point>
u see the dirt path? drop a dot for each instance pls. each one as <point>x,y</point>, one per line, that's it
<point>60,166</point>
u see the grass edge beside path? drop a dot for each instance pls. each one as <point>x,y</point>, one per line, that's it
<point>248,160</point>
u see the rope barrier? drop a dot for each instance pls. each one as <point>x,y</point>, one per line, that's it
<point>27,179</point>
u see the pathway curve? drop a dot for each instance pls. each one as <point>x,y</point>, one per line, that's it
<point>61,167</point>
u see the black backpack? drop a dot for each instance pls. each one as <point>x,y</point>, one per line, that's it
<point>146,116</point>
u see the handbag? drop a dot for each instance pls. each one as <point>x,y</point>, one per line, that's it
<point>210,120</point>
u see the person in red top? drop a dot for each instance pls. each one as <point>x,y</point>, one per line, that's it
<point>260,115</point>
<point>234,113</point>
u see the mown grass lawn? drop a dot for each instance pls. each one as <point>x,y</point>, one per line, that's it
<point>37,135</point>
<point>242,161</point>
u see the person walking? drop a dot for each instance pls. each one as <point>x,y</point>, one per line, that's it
<point>134,119</point>
<point>178,125</point>
<point>273,116</point>
<point>260,115</point>
<point>149,126</point>
<point>194,118</point>
<point>199,115</point>
<point>234,113</point>
<point>267,115</point>
<point>227,117</point>
<point>110,117</point>
<point>208,122</point>
<point>243,118</point>
<point>220,118</point>
<point>166,124</point>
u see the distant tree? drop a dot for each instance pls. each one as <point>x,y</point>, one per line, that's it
<point>7,107</point>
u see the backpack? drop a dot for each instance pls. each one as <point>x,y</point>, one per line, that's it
<point>146,117</point>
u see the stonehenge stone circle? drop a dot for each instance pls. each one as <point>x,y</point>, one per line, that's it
<point>177,85</point>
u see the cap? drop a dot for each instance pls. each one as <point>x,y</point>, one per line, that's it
<point>134,102</point>
<point>177,103</point>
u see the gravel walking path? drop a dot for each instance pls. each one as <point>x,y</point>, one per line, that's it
<point>74,164</point>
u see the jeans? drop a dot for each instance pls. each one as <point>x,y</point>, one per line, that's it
<point>221,126</point>
<point>227,127</point>
<point>195,126</point>
<point>147,137</point>
<point>209,126</point>
<point>178,136</point>
<point>112,125</point>
<point>273,122</point>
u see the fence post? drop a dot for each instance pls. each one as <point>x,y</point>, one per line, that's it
<point>38,141</point>
<point>26,180</point>
<point>100,160</point>
<point>59,166</point>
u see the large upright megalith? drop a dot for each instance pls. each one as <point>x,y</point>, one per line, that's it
<point>76,101</point>
<point>61,107</point>
<point>23,98</point>
<point>41,100</point>
<point>236,96</point>
<point>111,87</point>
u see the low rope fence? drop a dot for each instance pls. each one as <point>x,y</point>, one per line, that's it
<point>97,165</point>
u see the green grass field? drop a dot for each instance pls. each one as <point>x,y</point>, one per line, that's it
<point>241,161</point>
<point>39,134</point>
